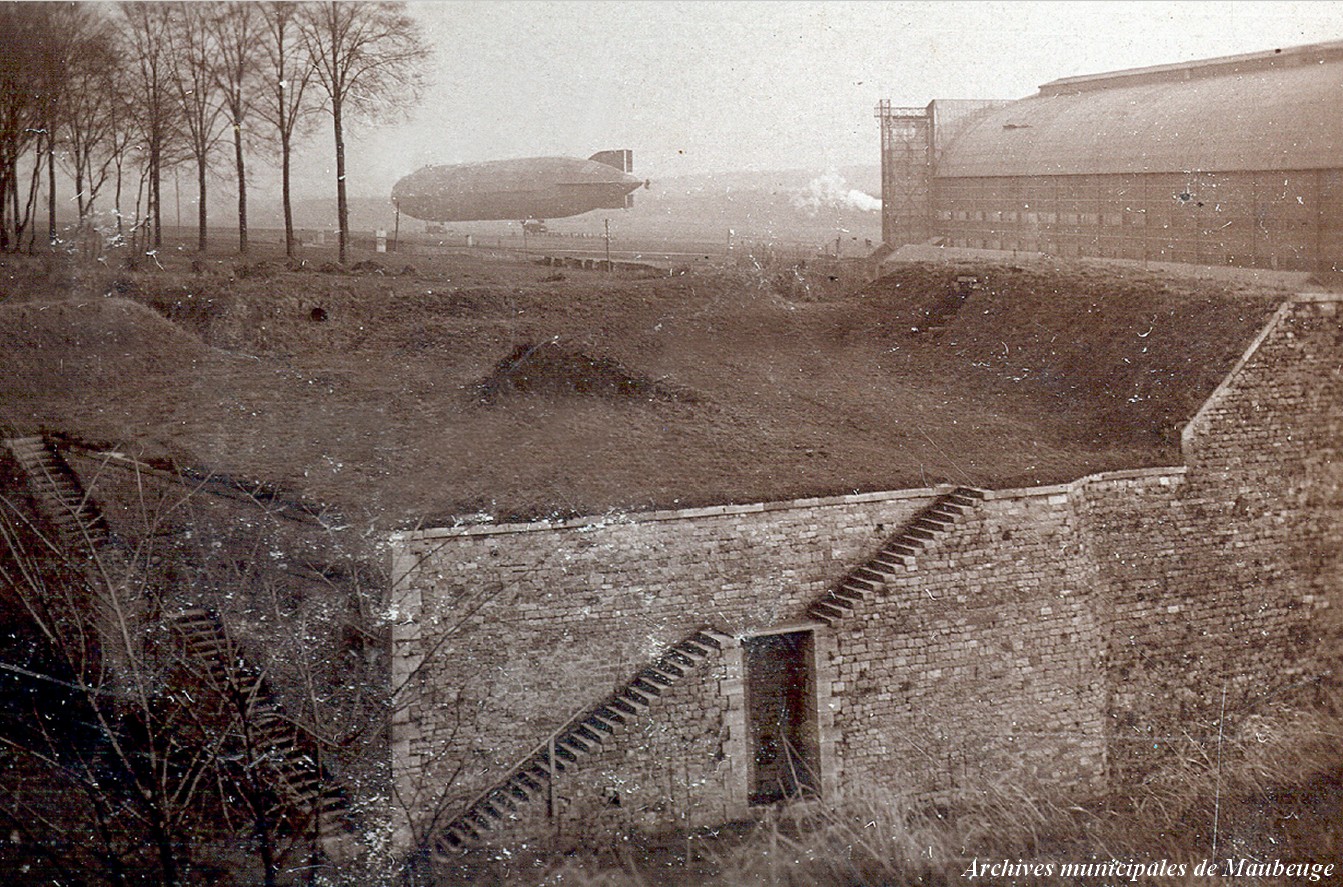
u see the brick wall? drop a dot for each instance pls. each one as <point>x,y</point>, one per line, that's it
<point>1063,636</point>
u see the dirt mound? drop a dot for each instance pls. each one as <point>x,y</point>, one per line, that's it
<point>1136,350</point>
<point>547,368</point>
<point>89,343</point>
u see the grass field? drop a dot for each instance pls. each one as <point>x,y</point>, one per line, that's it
<point>743,382</point>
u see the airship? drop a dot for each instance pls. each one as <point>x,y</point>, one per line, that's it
<point>530,188</point>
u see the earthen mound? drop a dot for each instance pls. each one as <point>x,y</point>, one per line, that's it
<point>549,369</point>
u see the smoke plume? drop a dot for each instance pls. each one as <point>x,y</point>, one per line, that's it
<point>830,191</point>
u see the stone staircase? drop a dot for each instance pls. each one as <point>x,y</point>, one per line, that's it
<point>898,556</point>
<point>61,499</point>
<point>531,779</point>
<point>296,776</point>
<point>60,496</point>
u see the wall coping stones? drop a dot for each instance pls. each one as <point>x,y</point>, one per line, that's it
<point>594,522</point>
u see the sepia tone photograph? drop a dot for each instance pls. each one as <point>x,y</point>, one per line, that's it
<point>645,444</point>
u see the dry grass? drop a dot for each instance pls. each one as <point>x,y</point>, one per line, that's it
<point>1046,373</point>
<point>1274,795</point>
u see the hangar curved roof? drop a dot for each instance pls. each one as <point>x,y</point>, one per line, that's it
<point>1277,110</point>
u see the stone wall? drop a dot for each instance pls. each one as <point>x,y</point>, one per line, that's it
<point>501,634</point>
<point>1062,636</point>
<point>982,663</point>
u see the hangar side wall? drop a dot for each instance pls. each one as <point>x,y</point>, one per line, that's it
<point>1291,220</point>
<point>1061,636</point>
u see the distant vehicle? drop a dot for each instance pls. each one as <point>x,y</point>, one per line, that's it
<point>534,188</point>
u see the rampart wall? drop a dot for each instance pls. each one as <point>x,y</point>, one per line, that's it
<point>1062,636</point>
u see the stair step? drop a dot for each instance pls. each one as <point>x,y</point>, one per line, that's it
<point>671,668</point>
<point>636,696</point>
<point>578,743</point>
<point>827,611</point>
<point>563,752</point>
<point>848,594</point>
<point>894,562</point>
<point>692,650</point>
<point>481,820</point>
<point>28,440</point>
<point>858,588</point>
<point>647,687</point>
<point>948,508</point>
<point>964,501</point>
<point>970,492</point>
<point>682,661</point>
<point>660,675</point>
<point>593,734</point>
<point>611,715</point>
<point>530,780</point>
<point>917,533</point>
<point>868,574</point>
<point>709,638</point>
<point>492,808</point>
<point>933,516</point>
<point>834,600</point>
<point>924,523</point>
<point>822,614</point>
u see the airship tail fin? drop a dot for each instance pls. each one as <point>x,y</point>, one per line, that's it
<point>622,159</point>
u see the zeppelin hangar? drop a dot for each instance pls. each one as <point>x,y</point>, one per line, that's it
<point>1227,161</point>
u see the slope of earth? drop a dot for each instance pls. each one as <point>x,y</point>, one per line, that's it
<point>465,386</point>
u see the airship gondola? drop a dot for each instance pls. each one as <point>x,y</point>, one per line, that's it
<point>530,188</point>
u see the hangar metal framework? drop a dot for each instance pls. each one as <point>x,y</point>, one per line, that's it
<point>1229,161</point>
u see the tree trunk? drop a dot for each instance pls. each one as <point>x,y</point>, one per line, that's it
<point>242,189</point>
<point>342,208</point>
<point>117,205</point>
<point>200,208</point>
<point>167,858</point>
<point>51,193</point>
<point>6,181</point>
<point>284,187</point>
<point>80,166</point>
<point>156,192</point>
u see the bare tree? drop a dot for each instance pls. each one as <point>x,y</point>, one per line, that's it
<point>193,63</point>
<point>368,59</point>
<point>90,123</point>
<point>27,107</point>
<point>238,29</point>
<point>286,102</point>
<point>152,104</point>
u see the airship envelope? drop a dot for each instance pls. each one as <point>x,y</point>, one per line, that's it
<point>530,188</point>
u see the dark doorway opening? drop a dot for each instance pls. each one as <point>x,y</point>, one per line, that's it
<point>781,709</point>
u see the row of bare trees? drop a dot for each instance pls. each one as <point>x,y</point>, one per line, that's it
<point>120,95</point>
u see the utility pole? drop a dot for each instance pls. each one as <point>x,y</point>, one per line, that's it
<point>607,222</point>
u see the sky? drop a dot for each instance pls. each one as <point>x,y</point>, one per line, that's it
<point>709,87</point>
